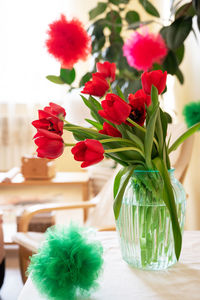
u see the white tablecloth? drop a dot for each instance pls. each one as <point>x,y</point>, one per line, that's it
<point>121,282</point>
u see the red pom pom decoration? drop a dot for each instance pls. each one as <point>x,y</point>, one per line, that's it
<point>144,49</point>
<point>68,41</point>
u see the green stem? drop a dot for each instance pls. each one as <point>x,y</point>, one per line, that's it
<point>80,127</point>
<point>69,145</point>
<point>109,140</point>
<point>136,125</point>
<point>124,149</point>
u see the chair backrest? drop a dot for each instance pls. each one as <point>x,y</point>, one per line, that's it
<point>102,215</point>
<point>180,158</point>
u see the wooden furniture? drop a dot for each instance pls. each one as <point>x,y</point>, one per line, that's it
<point>119,281</point>
<point>18,192</point>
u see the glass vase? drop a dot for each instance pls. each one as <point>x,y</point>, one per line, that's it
<point>144,225</point>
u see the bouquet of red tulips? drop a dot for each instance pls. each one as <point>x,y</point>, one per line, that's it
<point>132,131</point>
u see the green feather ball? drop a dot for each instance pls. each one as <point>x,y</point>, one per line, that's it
<point>191,113</point>
<point>68,263</point>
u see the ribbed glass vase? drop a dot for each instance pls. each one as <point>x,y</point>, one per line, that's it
<point>144,225</point>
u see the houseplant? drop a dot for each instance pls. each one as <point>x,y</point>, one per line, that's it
<point>112,21</point>
<point>133,132</point>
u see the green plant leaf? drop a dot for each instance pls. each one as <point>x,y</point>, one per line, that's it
<point>196,5</point>
<point>150,8</point>
<point>132,17</point>
<point>186,10</point>
<point>149,135</point>
<point>113,18</point>
<point>183,137</point>
<point>180,53</point>
<point>136,140</point>
<point>170,63</point>
<point>168,197</point>
<point>95,103</point>
<point>177,32</point>
<point>119,93</point>
<point>115,2</point>
<point>120,184</point>
<point>55,79</point>
<point>85,78</point>
<point>179,75</point>
<point>94,123</point>
<point>99,9</point>
<point>97,44</point>
<point>67,75</point>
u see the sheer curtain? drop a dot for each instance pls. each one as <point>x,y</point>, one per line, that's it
<point>24,64</point>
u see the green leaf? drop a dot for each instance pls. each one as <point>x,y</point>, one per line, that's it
<point>97,44</point>
<point>179,75</point>
<point>67,75</point>
<point>132,17</point>
<point>150,8</point>
<point>164,122</point>
<point>114,19</point>
<point>170,63</point>
<point>180,53</point>
<point>55,79</point>
<point>121,181</point>
<point>196,5</point>
<point>95,124</point>
<point>96,29</point>
<point>183,137</point>
<point>154,96</point>
<point>115,2</point>
<point>93,110</point>
<point>186,10</point>
<point>149,135</point>
<point>177,32</point>
<point>111,53</point>
<point>168,197</point>
<point>99,9</point>
<point>136,140</point>
<point>85,78</point>
<point>119,93</point>
<point>95,103</point>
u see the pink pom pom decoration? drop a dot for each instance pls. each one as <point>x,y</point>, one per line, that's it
<point>144,49</point>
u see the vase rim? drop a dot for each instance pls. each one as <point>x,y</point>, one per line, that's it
<point>152,171</point>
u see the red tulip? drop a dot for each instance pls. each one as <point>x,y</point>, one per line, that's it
<point>49,118</point>
<point>107,69</point>
<point>140,94</point>
<point>156,78</point>
<point>98,86</point>
<point>110,130</point>
<point>88,151</point>
<point>115,109</point>
<point>55,109</point>
<point>50,145</point>
<point>49,122</point>
<point>138,112</point>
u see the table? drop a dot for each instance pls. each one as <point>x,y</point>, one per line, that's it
<point>121,282</point>
<point>65,186</point>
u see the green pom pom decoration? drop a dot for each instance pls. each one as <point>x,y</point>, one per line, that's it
<point>67,264</point>
<point>191,113</point>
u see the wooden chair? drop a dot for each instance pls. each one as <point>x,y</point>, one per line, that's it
<point>100,208</point>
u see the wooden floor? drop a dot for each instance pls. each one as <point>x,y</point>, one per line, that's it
<point>12,283</point>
